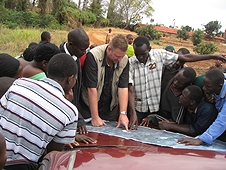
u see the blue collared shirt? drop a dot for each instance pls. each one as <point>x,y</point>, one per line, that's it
<point>219,125</point>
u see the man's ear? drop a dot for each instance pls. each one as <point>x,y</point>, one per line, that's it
<point>44,63</point>
<point>192,102</point>
<point>149,48</point>
<point>71,79</point>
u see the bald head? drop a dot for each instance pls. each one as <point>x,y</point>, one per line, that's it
<point>78,42</point>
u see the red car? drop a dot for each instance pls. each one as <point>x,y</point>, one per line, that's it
<point>117,153</point>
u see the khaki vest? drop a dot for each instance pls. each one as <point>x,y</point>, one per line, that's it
<point>98,53</point>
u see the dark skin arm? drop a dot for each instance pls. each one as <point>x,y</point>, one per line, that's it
<point>190,141</point>
<point>133,123</point>
<point>194,57</point>
<point>166,125</point>
<point>53,146</point>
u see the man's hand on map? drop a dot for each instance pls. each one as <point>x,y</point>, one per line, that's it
<point>97,121</point>
<point>123,119</point>
<point>164,125</point>
<point>82,129</point>
<point>190,141</point>
<point>145,122</point>
<point>133,122</point>
<point>84,139</point>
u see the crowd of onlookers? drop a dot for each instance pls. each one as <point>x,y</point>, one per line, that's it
<point>49,92</point>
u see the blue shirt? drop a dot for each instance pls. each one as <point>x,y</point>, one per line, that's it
<point>219,125</point>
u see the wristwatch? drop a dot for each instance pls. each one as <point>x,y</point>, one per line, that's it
<point>123,113</point>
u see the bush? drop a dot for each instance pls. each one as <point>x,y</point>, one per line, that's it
<point>206,48</point>
<point>197,37</point>
<point>150,32</point>
<point>182,34</point>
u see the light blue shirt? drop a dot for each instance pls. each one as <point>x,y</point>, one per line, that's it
<point>219,125</point>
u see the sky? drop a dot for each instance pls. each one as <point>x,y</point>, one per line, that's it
<point>193,13</point>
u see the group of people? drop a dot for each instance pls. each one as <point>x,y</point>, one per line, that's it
<point>44,101</point>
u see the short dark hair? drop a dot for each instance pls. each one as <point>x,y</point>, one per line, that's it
<point>61,66</point>
<point>45,36</point>
<point>189,72</point>
<point>45,51</point>
<point>141,40</point>
<point>184,51</point>
<point>77,35</point>
<point>196,93</point>
<point>8,65</point>
<point>216,76</point>
<point>29,53</point>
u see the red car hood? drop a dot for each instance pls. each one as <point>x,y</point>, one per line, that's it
<point>117,153</point>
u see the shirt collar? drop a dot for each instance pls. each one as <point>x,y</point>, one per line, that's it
<point>53,83</point>
<point>222,93</point>
<point>67,52</point>
<point>104,63</point>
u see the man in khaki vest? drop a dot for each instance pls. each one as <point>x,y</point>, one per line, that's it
<point>105,83</point>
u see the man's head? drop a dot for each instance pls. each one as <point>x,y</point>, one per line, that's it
<point>141,47</point>
<point>116,49</point>
<point>170,48</point>
<point>178,64</point>
<point>63,69</point>
<point>2,151</point>
<point>183,78</point>
<point>9,66</point>
<point>44,52</point>
<point>78,42</point>
<point>191,96</point>
<point>213,82</point>
<point>45,36</point>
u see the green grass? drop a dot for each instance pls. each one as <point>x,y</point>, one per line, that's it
<point>15,41</point>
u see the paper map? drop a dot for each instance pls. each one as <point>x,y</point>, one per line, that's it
<point>154,136</point>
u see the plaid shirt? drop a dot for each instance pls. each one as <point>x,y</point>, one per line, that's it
<point>146,79</point>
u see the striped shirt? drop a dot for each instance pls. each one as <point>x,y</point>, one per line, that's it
<point>32,114</point>
<point>146,79</point>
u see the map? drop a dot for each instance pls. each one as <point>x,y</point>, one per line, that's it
<point>154,136</point>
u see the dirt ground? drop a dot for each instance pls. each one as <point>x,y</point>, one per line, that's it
<point>97,36</point>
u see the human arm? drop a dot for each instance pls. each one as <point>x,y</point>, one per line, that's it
<point>54,146</point>
<point>131,108</point>
<point>195,57</point>
<point>190,141</point>
<point>85,139</point>
<point>90,80</point>
<point>123,103</point>
<point>93,106</point>
<point>166,125</point>
<point>213,132</point>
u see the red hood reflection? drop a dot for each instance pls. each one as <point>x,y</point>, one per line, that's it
<point>114,153</point>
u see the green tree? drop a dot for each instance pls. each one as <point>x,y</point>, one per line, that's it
<point>129,11</point>
<point>182,34</point>
<point>213,28</point>
<point>42,5</point>
<point>150,32</point>
<point>206,48</point>
<point>56,6</point>
<point>197,37</point>
<point>187,28</point>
